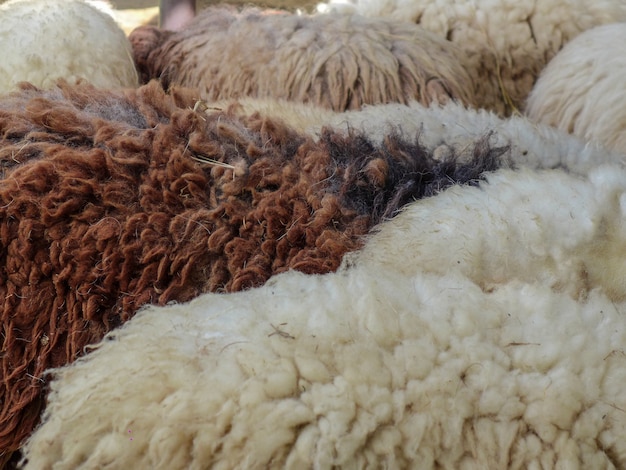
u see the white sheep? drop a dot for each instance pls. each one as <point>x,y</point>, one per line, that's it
<point>481,328</point>
<point>42,41</point>
<point>508,42</point>
<point>582,90</point>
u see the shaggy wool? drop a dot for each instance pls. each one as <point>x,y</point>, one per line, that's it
<point>113,199</point>
<point>481,328</point>
<point>44,40</point>
<point>582,89</point>
<point>507,42</point>
<point>336,62</point>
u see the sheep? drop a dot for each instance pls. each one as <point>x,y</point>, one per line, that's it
<point>581,90</point>
<point>175,14</point>
<point>482,328</point>
<point>43,41</point>
<point>508,42</point>
<point>111,199</point>
<point>338,63</point>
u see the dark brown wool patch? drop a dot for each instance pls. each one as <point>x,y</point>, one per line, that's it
<point>105,207</point>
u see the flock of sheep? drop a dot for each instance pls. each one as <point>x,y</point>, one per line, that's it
<point>389,234</point>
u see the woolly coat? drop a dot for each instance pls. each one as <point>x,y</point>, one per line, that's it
<point>336,62</point>
<point>582,89</point>
<point>507,42</point>
<point>481,328</point>
<point>113,199</point>
<point>43,41</point>
<point>447,130</point>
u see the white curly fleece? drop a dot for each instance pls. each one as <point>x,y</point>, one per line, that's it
<point>481,328</point>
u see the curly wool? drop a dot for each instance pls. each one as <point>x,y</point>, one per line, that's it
<point>44,40</point>
<point>466,334</point>
<point>581,90</point>
<point>507,42</point>
<point>338,63</point>
<point>113,199</point>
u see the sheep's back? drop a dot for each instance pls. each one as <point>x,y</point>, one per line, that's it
<point>339,63</point>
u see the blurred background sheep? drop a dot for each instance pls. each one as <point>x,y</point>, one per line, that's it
<point>583,91</point>
<point>508,42</point>
<point>331,61</point>
<point>69,39</point>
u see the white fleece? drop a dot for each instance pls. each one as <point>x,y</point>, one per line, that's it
<point>582,89</point>
<point>531,144</point>
<point>44,40</point>
<point>508,41</point>
<point>481,328</point>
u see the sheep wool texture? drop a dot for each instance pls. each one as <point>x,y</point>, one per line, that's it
<point>113,199</point>
<point>482,328</point>
<point>446,130</point>
<point>336,62</point>
<point>507,42</point>
<point>43,41</point>
<point>451,128</point>
<point>581,90</point>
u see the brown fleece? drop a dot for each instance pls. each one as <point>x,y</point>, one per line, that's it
<point>112,200</point>
<point>337,62</point>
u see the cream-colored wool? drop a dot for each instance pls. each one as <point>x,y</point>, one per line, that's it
<point>44,40</point>
<point>582,89</point>
<point>481,328</point>
<point>446,130</point>
<point>336,62</point>
<point>508,42</point>
<point>532,145</point>
<point>304,117</point>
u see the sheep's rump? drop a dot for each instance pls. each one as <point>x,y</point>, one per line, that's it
<point>466,334</point>
<point>582,91</point>
<point>507,42</point>
<point>43,41</point>
<point>111,200</point>
<point>336,62</point>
